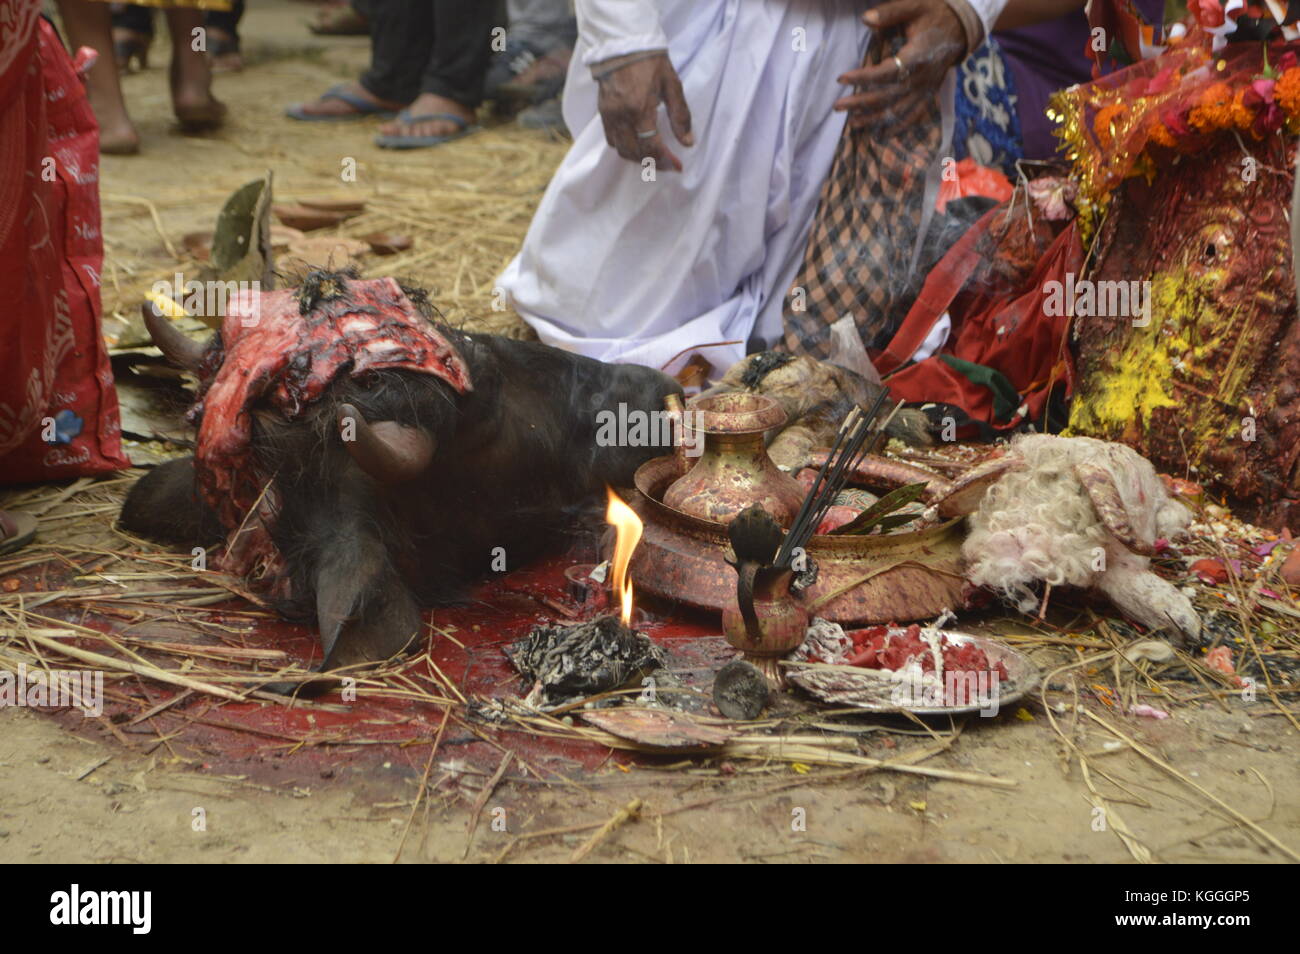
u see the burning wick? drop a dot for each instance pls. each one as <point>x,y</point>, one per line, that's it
<point>627,533</point>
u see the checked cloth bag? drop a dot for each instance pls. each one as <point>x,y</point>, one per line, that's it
<point>860,250</point>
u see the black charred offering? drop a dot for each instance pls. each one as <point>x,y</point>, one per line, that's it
<point>568,663</point>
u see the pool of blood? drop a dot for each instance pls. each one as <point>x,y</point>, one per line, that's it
<point>370,737</point>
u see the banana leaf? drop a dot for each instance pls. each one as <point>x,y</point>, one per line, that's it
<point>882,513</point>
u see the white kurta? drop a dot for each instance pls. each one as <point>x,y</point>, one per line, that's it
<point>624,269</point>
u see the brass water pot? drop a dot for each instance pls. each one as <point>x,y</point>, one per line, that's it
<point>734,470</point>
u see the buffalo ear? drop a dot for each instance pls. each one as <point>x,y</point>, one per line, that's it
<point>363,617</point>
<point>1099,484</point>
<point>164,505</point>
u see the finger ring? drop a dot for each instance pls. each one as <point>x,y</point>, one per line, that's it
<point>648,134</point>
<point>902,70</point>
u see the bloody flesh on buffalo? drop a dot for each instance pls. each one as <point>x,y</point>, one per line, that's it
<point>470,454</point>
<point>283,350</point>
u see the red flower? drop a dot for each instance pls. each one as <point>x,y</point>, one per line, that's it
<point>1160,82</point>
<point>1286,61</point>
<point>1208,13</point>
<point>1270,119</point>
<point>1175,123</point>
<point>1260,96</point>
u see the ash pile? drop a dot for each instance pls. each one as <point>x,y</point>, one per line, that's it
<point>571,663</point>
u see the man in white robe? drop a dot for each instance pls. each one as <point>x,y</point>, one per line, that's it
<point>667,231</point>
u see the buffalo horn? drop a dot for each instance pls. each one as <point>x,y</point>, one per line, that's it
<point>387,451</point>
<point>175,346</point>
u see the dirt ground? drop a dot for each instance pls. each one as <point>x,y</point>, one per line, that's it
<point>65,798</point>
<point>80,796</point>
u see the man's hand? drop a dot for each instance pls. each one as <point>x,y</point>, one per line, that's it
<point>935,41</point>
<point>629,104</point>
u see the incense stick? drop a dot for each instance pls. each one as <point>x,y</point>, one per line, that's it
<point>850,447</point>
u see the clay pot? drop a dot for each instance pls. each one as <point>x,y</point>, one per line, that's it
<point>734,470</point>
<point>1291,568</point>
<point>387,243</point>
<point>308,219</point>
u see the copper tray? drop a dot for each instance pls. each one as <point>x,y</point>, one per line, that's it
<point>895,577</point>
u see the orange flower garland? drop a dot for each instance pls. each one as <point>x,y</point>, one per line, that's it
<point>1287,92</point>
<point>1102,122</point>
<point>1213,110</point>
<point>1243,117</point>
<point>1160,135</point>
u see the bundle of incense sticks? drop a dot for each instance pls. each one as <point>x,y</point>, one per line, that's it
<point>858,436</point>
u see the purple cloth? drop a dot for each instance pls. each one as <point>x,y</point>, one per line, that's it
<point>1047,57</point>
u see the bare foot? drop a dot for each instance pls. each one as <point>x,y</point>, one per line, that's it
<point>16,530</point>
<point>117,135</point>
<point>334,105</point>
<point>190,75</point>
<point>196,109</point>
<point>118,141</point>
<point>428,104</point>
<point>87,24</point>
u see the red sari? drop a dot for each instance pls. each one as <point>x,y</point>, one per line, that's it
<point>58,409</point>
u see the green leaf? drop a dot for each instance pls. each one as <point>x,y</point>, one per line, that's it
<point>892,520</point>
<point>876,514</point>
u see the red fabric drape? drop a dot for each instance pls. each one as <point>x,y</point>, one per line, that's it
<point>58,409</point>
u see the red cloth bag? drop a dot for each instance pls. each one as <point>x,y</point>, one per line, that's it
<point>991,284</point>
<point>58,409</point>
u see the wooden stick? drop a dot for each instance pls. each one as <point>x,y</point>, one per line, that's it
<point>629,812</point>
<point>151,671</point>
<point>483,796</point>
<point>1156,760</point>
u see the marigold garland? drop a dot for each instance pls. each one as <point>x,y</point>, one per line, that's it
<point>1104,120</point>
<point>1159,134</point>
<point>1287,92</point>
<point>1243,117</point>
<point>1213,111</point>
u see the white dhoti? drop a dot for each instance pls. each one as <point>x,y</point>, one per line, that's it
<point>623,269</point>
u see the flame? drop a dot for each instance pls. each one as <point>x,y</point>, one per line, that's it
<point>627,529</point>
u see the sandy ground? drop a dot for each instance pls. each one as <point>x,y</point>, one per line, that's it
<point>64,798</point>
<point>81,797</point>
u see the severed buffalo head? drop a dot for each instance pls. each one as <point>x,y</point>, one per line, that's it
<point>357,460</point>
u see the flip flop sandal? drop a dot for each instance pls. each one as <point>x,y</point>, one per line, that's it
<point>423,142</point>
<point>363,107</point>
<point>16,531</point>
